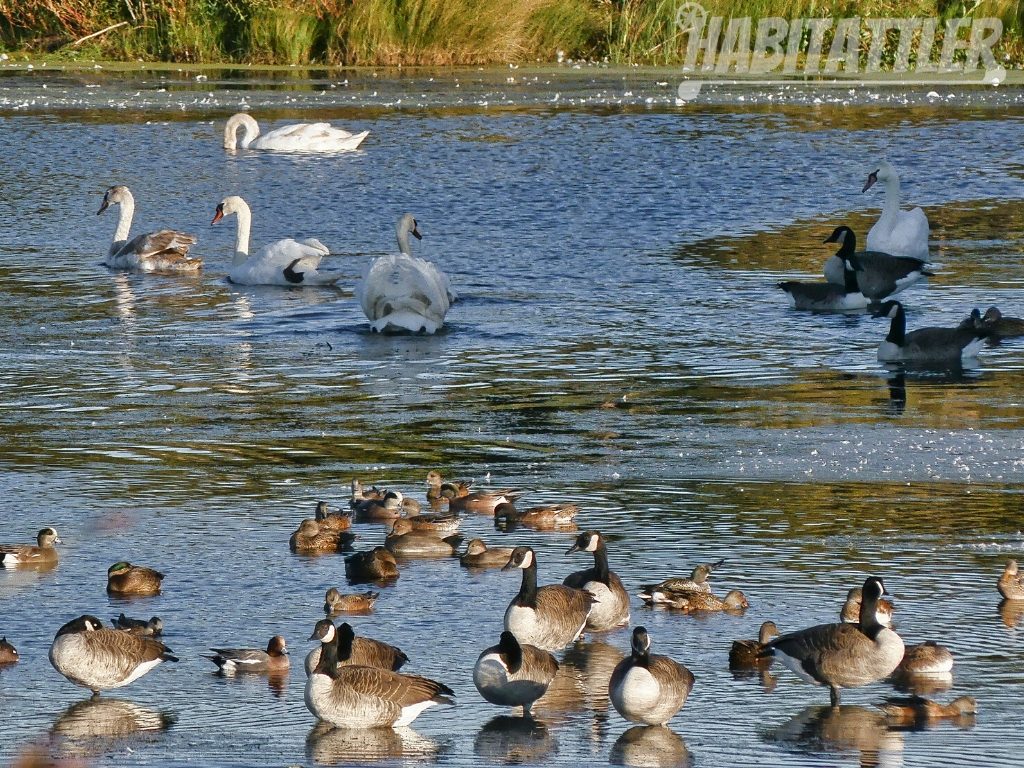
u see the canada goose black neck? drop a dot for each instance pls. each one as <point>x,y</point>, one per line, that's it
<point>343,642</point>
<point>601,563</point>
<point>527,597</point>
<point>641,647</point>
<point>898,324</point>
<point>510,651</point>
<point>850,280</point>
<point>328,663</point>
<point>848,244</point>
<point>871,594</point>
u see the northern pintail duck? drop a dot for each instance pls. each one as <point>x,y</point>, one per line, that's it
<point>355,651</point>
<point>329,519</point>
<point>8,653</point>
<point>231,660</point>
<point>375,565</point>
<point>336,602</point>
<point>42,553</point>
<point>745,654</point>
<point>925,345</point>
<point>366,697</point>
<point>843,655</point>
<point>697,581</point>
<point>648,688</point>
<point>484,501</point>
<point>878,275</point>
<point>850,612</point>
<point>123,578</point>
<point>927,658</point>
<point>549,617</point>
<point>911,711</point>
<point>514,675</point>
<point>439,489</point>
<point>1011,585</point>
<point>154,627</point>
<point>611,601</point>
<point>403,540</point>
<point>312,538</point>
<point>95,657</point>
<point>479,555</point>
<point>689,601</point>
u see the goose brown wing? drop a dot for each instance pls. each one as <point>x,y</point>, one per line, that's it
<point>563,601</point>
<point>675,679</point>
<point>373,653</point>
<point>120,652</point>
<point>395,688</point>
<point>821,647</point>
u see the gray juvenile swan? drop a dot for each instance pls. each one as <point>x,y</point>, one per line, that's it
<point>162,251</point>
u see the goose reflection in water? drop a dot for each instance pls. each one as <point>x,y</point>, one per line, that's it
<point>847,728</point>
<point>327,745</point>
<point>594,663</point>
<point>96,726</point>
<point>650,746</point>
<point>514,740</point>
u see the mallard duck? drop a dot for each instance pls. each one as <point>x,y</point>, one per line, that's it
<point>336,602</point>
<point>376,565</point>
<point>331,520</point>
<point>123,578</point>
<point>313,538</point>
<point>1011,585</point>
<point>745,654</point>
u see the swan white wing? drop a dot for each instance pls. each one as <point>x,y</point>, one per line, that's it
<point>309,137</point>
<point>316,245</point>
<point>908,236</point>
<point>285,262</point>
<point>402,292</point>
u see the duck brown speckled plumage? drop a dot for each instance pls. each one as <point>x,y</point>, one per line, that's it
<point>123,578</point>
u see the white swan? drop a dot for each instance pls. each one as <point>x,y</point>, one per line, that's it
<point>404,293</point>
<point>161,251</point>
<point>300,137</point>
<point>285,262</point>
<point>898,233</point>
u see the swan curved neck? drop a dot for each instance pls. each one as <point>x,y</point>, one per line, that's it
<point>891,206</point>
<point>124,220</point>
<point>402,235</point>
<point>250,130</point>
<point>242,235</point>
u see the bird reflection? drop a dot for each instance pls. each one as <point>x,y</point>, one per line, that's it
<point>97,726</point>
<point>277,682</point>
<point>848,728</point>
<point>1011,612</point>
<point>594,661</point>
<point>897,394</point>
<point>922,685</point>
<point>650,746</point>
<point>514,740</point>
<point>326,745</point>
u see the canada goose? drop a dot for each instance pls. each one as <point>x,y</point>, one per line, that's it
<point>925,345</point>
<point>927,658</point>
<point>435,524</point>
<point>231,660</point>
<point>92,656</point>
<point>850,612</point>
<point>355,651</point>
<point>546,516</point>
<point>611,601</point>
<point>389,507</point>
<point>648,688</point>
<point>376,565</point>
<point>484,501</point>
<point>827,296</point>
<point>439,489</point>
<point>878,274</point>
<point>43,553</point>
<point>366,697</point>
<point>123,578</point>
<point>843,655</point>
<point>514,675</point>
<point>336,602</point>
<point>914,710</point>
<point>479,555</point>
<point>312,538</point>
<point>549,617</point>
<point>697,582</point>
<point>152,628</point>
<point>402,540</point>
<point>688,601</point>
<point>330,520</point>
<point>745,654</point>
<point>8,653</point>
<point>999,326</point>
<point>1011,585</point>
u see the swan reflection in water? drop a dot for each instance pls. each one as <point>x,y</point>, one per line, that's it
<point>97,726</point>
<point>327,745</point>
<point>514,740</point>
<point>650,746</point>
<point>848,728</point>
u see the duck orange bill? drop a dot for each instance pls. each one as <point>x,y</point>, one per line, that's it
<point>218,215</point>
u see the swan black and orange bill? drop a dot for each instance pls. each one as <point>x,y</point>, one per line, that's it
<point>218,215</point>
<point>416,230</point>
<point>872,178</point>
<point>103,206</point>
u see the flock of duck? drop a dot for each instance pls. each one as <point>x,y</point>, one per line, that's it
<point>397,292</point>
<point>355,682</point>
<point>896,258</point>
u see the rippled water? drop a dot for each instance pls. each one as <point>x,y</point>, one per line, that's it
<point>619,344</point>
